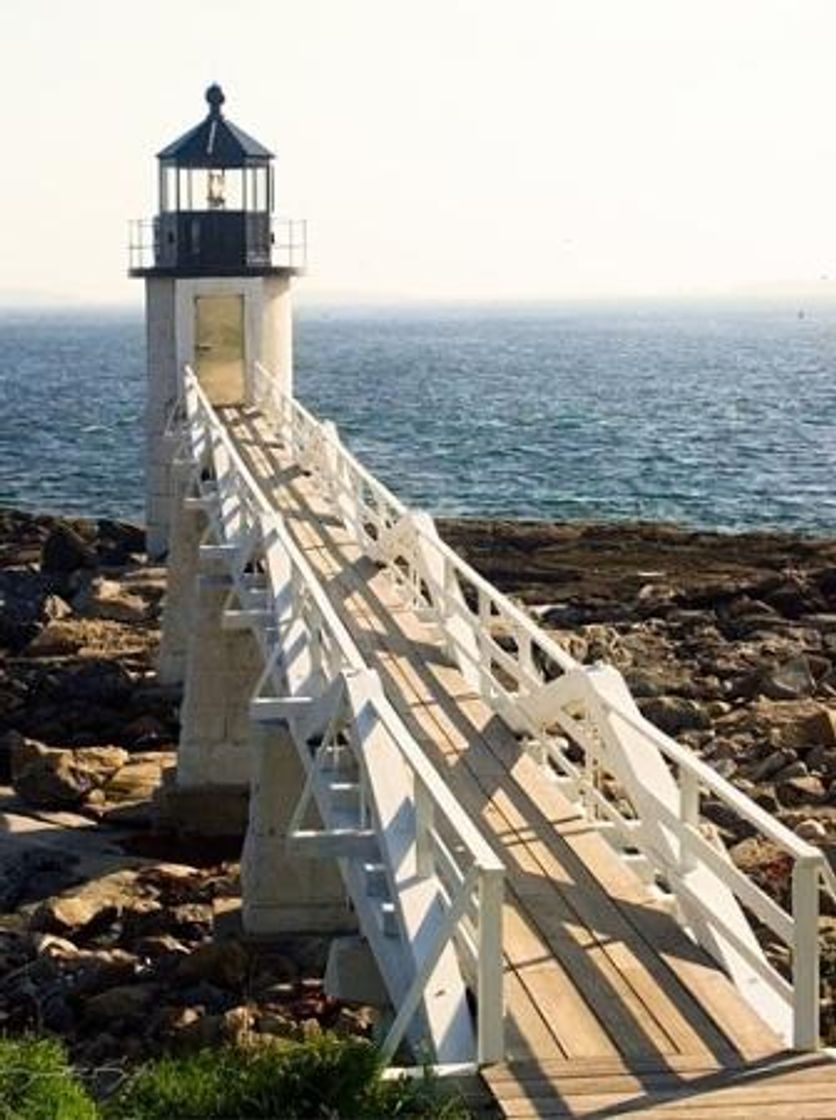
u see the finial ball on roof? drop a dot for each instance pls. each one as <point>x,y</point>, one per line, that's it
<point>215,97</point>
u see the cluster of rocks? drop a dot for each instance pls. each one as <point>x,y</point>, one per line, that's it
<point>103,939</point>
<point>131,963</point>
<point>83,721</point>
<point>79,627</point>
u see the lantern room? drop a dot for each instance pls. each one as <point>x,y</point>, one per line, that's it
<point>215,199</point>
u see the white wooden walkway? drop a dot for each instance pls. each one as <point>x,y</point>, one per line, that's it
<point>610,1006</point>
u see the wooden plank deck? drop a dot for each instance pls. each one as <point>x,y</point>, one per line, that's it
<point>611,1009</point>
<point>780,1086</point>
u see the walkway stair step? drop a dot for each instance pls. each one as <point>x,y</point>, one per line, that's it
<point>389,919</point>
<point>335,843</point>
<point>377,883</point>
<point>344,796</point>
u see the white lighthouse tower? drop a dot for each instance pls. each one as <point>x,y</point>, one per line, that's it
<point>217,268</point>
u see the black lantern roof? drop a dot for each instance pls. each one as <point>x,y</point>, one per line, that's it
<point>216,141</point>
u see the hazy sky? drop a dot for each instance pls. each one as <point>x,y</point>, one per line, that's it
<point>440,148</point>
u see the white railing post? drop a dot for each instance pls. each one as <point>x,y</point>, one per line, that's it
<point>483,639</point>
<point>525,655</point>
<point>805,953</point>
<point>315,628</point>
<point>424,824</point>
<point>589,785</point>
<point>490,1032</point>
<point>441,601</point>
<point>330,460</point>
<point>412,998</point>
<point>689,815</point>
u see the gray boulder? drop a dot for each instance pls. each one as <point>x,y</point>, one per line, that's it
<point>675,714</point>
<point>65,551</point>
<point>23,594</point>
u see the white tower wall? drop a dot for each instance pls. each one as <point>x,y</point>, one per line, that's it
<point>277,331</point>
<point>160,398</point>
<point>170,337</point>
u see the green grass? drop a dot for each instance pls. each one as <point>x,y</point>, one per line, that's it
<point>37,1083</point>
<point>326,1078</point>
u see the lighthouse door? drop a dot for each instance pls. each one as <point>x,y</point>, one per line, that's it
<point>219,347</point>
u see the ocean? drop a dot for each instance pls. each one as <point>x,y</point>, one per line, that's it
<point>720,417</point>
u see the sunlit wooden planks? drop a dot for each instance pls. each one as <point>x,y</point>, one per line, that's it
<point>607,971</point>
<point>781,1085</point>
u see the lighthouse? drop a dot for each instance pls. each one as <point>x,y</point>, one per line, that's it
<point>218,268</point>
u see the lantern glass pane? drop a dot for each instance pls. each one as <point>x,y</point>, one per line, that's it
<point>184,184</point>
<point>168,189</point>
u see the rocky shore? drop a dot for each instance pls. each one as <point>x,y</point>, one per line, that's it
<point>117,937</point>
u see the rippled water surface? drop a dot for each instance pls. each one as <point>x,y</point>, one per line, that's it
<point>714,417</point>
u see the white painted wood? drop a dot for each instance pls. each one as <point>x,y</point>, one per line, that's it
<point>805,956</point>
<point>490,973</point>
<point>426,975</point>
<point>689,815</point>
<point>333,843</point>
<point>278,709</point>
<point>434,567</point>
<point>592,707</point>
<point>245,619</point>
<point>424,822</point>
<point>369,820</point>
<point>419,908</point>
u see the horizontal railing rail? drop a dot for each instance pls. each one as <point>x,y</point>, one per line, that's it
<point>562,709</point>
<point>288,243</point>
<point>696,844</point>
<point>374,522</point>
<point>448,847</point>
<point>141,243</point>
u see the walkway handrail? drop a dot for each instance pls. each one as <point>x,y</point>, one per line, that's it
<point>351,655</point>
<point>268,393</point>
<point>288,244</point>
<point>470,883</point>
<point>440,791</point>
<point>528,678</point>
<point>710,779</point>
<point>811,872</point>
<point>347,471</point>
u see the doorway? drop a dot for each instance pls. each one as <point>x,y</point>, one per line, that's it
<point>219,347</point>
